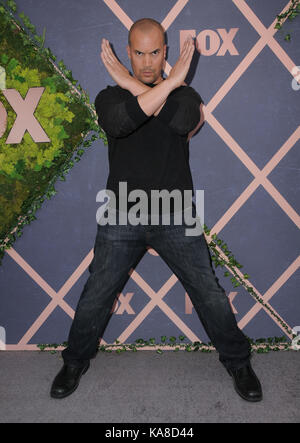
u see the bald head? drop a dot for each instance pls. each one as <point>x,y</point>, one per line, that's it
<point>146,26</point>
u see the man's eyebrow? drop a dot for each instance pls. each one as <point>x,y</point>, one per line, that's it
<point>136,50</point>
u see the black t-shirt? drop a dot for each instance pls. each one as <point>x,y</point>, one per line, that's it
<point>148,152</point>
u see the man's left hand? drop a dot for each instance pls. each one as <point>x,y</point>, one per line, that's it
<point>116,70</point>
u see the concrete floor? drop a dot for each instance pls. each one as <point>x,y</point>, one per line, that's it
<point>145,387</point>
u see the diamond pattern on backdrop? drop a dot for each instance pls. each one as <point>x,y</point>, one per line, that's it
<point>157,297</point>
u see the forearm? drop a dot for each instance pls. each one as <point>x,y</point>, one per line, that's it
<point>158,110</point>
<point>150,99</point>
<point>136,87</point>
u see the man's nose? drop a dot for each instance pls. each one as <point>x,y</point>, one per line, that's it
<point>147,61</point>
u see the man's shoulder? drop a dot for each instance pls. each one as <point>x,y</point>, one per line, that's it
<point>107,90</point>
<point>186,91</point>
<point>112,94</point>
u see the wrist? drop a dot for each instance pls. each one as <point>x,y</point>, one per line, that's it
<point>171,84</point>
<point>136,87</point>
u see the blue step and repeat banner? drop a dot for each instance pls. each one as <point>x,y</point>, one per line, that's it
<point>245,158</point>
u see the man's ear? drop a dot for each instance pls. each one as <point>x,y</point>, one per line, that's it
<point>128,51</point>
<point>165,50</point>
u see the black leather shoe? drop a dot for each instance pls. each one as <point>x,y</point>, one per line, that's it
<point>246,383</point>
<point>67,380</point>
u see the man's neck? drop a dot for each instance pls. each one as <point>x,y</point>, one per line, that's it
<point>155,83</point>
<point>137,87</point>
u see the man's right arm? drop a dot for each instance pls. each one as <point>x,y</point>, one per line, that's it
<point>153,99</point>
<point>136,87</point>
<point>116,116</point>
<point>119,118</point>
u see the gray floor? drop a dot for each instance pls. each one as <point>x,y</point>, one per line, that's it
<point>145,387</point>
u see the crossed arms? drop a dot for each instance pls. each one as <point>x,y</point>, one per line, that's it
<point>119,117</point>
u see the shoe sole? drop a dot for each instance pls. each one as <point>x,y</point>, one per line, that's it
<point>252,400</point>
<point>57,396</point>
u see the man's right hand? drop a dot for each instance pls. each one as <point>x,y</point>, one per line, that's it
<point>179,71</point>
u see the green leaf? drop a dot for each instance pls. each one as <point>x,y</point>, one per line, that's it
<point>48,164</point>
<point>4,59</point>
<point>62,135</point>
<point>12,65</point>
<point>19,78</point>
<point>12,5</point>
<point>58,121</point>
<point>59,100</point>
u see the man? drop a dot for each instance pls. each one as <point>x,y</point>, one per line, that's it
<point>149,121</point>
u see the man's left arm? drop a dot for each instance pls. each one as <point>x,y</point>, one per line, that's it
<point>137,87</point>
<point>182,111</point>
<point>183,114</point>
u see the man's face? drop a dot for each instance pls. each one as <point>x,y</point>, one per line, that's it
<point>147,53</point>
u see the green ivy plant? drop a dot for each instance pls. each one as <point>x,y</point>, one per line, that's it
<point>260,345</point>
<point>229,261</point>
<point>30,156</point>
<point>29,171</point>
<point>291,13</point>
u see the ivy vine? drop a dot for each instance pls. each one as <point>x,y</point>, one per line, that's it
<point>260,345</point>
<point>290,14</point>
<point>22,191</point>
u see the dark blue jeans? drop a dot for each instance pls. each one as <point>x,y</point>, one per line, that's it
<point>117,250</point>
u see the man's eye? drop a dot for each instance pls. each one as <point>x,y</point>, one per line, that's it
<point>138,53</point>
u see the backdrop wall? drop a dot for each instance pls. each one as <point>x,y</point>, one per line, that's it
<point>245,158</point>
